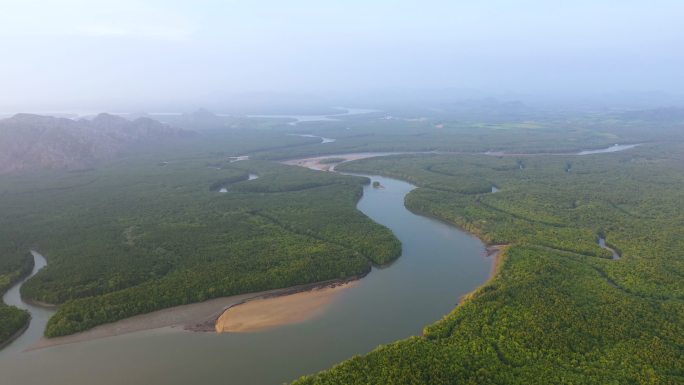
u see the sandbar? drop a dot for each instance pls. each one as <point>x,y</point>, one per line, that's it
<point>266,313</point>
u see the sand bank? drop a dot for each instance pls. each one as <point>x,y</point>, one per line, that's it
<point>314,163</point>
<point>265,313</point>
<point>186,317</point>
<point>203,316</point>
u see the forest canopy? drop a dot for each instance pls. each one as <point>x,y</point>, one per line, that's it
<point>134,238</point>
<point>559,309</point>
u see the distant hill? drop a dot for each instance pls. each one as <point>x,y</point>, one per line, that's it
<point>667,114</point>
<point>202,114</point>
<point>30,142</point>
<point>201,118</point>
<point>490,110</point>
<point>198,120</point>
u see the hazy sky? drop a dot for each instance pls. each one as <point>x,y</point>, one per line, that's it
<point>72,53</point>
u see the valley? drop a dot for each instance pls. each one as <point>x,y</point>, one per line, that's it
<point>168,239</point>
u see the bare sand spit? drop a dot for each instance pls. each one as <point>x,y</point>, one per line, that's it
<point>193,317</point>
<point>203,316</point>
<point>314,163</point>
<point>266,313</point>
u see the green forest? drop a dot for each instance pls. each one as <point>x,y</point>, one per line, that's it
<point>134,238</point>
<point>559,310</point>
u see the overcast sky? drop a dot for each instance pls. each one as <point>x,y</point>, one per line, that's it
<point>71,53</point>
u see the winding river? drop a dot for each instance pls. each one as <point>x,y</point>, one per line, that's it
<point>296,119</point>
<point>438,265</point>
<point>323,139</point>
<point>602,243</point>
<point>614,148</point>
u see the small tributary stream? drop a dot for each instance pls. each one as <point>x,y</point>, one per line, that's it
<point>39,315</point>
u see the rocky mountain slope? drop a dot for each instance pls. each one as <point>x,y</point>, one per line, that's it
<point>30,142</point>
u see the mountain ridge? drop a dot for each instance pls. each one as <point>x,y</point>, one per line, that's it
<point>31,142</point>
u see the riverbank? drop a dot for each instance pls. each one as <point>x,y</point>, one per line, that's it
<point>44,305</point>
<point>16,334</point>
<point>496,252</point>
<point>195,317</point>
<point>184,317</point>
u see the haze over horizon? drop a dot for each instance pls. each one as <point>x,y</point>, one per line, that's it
<point>146,55</point>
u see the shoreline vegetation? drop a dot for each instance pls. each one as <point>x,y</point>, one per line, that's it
<point>195,317</point>
<point>16,334</point>
<point>498,254</point>
<point>44,305</point>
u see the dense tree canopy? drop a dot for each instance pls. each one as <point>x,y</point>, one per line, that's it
<point>559,311</point>
<point>133,238</point>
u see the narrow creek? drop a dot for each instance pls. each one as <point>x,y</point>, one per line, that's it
<point>602,243</point>
<point>39,315</point>
<point>323,139</point>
